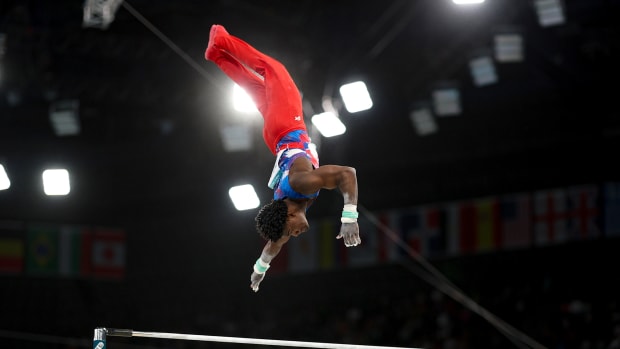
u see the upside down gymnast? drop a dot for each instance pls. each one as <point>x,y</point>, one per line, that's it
<point>297,177</point>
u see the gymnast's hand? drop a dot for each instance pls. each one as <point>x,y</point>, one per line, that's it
<point>350,232</point>
<point>256,279</point>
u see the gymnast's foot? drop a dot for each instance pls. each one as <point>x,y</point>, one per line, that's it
<point>211,51</point>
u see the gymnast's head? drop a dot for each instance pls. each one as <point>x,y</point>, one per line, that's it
<point>275,220</point>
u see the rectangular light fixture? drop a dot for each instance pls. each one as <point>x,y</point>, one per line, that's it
<point>236,137</point>
<point>2,44</point>
<point>64,116</point>
<point>242,102</point>
<point>483,71</point>
<point>5,183</point>
<point>56,182</point>
<point>244,197</point>
<point>328,124</point>
<point>550,12</point>
<point>467,2</point>
<point>508,47</point>
<point>99,13</point>
<point>355,97</point>
<point>423,121</point>
<point>447,101</point>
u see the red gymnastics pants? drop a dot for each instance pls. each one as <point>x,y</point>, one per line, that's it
<point>265,79</point>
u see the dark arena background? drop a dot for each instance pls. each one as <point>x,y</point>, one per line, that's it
<point>489,185</point>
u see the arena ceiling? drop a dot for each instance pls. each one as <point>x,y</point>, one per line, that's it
<point>150,106</point>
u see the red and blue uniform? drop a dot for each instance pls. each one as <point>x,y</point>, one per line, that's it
<point>277,98</point>
<point>292,146</point>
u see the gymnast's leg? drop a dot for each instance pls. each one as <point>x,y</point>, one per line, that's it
<point>244,75</point>
<point>241,50</point>
<point>264,78</point>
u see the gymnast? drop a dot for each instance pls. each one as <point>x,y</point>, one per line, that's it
<point>297,177</point>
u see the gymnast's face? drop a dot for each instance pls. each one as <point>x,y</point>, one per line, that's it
<point>296,224</point>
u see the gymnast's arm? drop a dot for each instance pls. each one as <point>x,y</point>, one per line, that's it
<point>270,251</point>
<point>327,177</point>
<point>330,177</point>
<point>272,248</point>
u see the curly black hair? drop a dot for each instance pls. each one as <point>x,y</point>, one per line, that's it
<point>271,219</point>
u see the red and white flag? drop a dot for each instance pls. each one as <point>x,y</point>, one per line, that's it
<point>550,217</point>
<point>584,212</point>
<point>108,253</point>
<point>516,221</point>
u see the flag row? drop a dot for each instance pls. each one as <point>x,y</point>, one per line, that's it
<point>62,251</point>
<point>452,229</point>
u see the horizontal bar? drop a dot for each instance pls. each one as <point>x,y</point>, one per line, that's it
<point>239,340</point>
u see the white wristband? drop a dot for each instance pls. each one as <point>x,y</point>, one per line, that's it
<point>349,214</point>
<point>260,267</point>
<point>348,220</point>
<point>350,208</point>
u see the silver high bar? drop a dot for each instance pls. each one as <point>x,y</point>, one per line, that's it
<point>100,340</point>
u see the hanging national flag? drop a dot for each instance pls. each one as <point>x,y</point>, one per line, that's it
<point>11,255</point>
<point>303,251</point>
<point>452,228</point>
<point>367,253</point>
<point>467,219</point>
<point>516,219</point>
<point>460,224</point>
<point>42,250</point>
<point>487,224</point>
<point>332,252</point>
<point>392,236</point>
<point>383,241</point>
<point>420,229</point>
<point>435,223</point>
<point>550,216</point>
<point>108,253</point>
<point>341,251</point>
<point>584,213</point>
<point>11,249</point>
<point>410,231</point>
<point>75,251</point>
<point>611,203</point>
<point>327,238</point>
